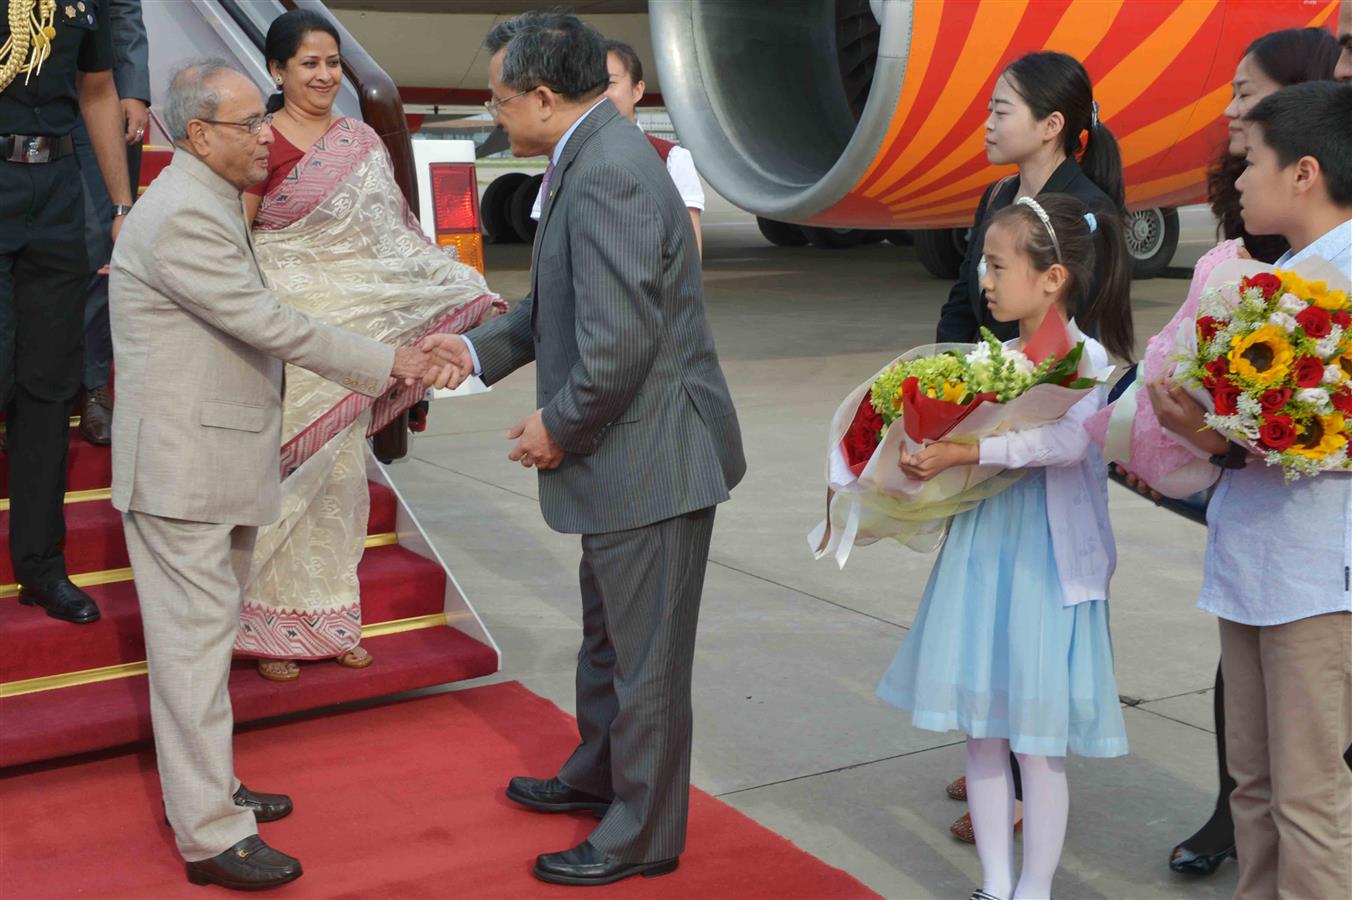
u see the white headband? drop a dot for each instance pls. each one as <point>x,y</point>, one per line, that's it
<point>1089,219</point>
<point>1046,223</point>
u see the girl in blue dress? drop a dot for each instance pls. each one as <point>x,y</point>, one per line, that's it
<point>1010,645</point>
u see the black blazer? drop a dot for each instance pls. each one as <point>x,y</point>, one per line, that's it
<point>965,312</point>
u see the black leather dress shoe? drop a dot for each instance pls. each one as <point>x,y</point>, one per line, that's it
<point>62,600</point>
<point>266,807</point>
<point>1186,861</point>
<point>584,865</point>
<point>552,795</point>
<point>250,865</point>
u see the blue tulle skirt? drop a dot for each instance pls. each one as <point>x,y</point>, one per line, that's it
<point>994,654</point>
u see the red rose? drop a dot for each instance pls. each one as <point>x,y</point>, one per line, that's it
<point>1308,371</point>
<point>1272,401</point>
<point>1207,327</point>
<point>1266,282</point>
<point>1216,370</point>
<point>1227,399</point>
<point>1277,433</point>
<point>1342,318</point>
<point>862,437</point>
<point>1342,400</point>
<point>1316,322</point>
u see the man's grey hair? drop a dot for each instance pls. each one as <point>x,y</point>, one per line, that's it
<point>191,95</point>
<point>556,50</point>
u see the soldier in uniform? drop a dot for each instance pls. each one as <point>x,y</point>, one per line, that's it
<point>56,62</point>
<point>131,74</point>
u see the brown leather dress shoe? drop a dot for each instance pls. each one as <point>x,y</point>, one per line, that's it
<point>250,865</point>
<point>96,417</point>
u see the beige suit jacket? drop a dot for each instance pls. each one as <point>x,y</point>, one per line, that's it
<point>199,342</point>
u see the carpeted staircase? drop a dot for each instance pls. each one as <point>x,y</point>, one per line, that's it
<point>73,688</point>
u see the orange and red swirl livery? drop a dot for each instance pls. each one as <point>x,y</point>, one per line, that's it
<point>1161,71</point>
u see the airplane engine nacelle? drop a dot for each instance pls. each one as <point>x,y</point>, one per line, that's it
<point>857,114</point>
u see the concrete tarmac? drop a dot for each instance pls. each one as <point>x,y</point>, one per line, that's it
<point>787,726</point>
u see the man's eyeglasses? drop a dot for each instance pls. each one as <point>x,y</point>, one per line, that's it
<point>492,105</point>
<point>253,123</point>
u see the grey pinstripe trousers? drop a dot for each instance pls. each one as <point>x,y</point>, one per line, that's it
<point>640,607</point>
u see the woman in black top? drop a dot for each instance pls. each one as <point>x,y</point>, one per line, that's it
<point>1042,117</point>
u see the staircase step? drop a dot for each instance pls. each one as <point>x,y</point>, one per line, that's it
<point>107,714</point>
<point>395,584</point>
<point>87,467</point>
<point>94,539</point>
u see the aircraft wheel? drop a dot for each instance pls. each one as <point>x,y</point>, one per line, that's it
<point>495,208</point>
<point>520,206</point>
<point>1152,238</point>
<point>941,250</point>
<point>781,234</point>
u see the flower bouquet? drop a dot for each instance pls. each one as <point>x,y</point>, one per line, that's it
<point>954,392</point>
<point>1127,428</point>
<point>1271,359</point>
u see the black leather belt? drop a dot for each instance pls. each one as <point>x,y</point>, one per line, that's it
<point>34,148</point>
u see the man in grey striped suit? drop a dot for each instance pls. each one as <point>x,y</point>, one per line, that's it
<point>635,438</point>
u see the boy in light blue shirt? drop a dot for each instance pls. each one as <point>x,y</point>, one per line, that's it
<point>1279,556</point>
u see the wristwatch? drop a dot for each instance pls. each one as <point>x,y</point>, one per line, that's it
<point>121,209</point>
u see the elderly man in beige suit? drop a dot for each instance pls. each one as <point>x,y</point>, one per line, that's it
<point>201,343</point>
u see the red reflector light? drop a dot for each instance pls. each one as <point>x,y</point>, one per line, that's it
<point>455,197</point>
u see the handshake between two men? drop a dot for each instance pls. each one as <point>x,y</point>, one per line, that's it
<point>445,361</point>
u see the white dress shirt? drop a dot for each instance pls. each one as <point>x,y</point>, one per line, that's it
<point>1278,552</point>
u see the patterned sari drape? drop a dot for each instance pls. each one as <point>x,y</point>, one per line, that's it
<point>337,241</point>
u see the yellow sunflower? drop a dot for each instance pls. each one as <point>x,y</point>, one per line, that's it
<point>1262,357</point>
<point>1321,436</point>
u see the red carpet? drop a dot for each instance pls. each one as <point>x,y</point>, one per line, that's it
<point>51,706</point>
<point>404,800</point>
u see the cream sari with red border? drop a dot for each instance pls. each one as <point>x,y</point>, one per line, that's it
<point>337,241</point>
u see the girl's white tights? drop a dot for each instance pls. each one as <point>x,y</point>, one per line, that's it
<point>990,797</point>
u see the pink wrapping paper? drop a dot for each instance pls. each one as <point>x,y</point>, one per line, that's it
<point>1165,462</point>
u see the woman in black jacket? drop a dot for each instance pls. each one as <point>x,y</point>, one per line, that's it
<point>1043,117</point>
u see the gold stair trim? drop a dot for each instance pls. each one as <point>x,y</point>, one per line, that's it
<point>113,576</point>
<point>73,497</point>
<point>74,422</point>
<point>132,669</point>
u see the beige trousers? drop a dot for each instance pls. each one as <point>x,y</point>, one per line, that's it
<point>190,580</point>
<point>1288,719</point>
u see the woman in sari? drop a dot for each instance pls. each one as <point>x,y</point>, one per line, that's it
<point>336,240</point>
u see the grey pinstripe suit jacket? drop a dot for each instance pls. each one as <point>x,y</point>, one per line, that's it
<point>626,370</point>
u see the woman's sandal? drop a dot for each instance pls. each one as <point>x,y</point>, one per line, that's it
<point>278,669</point>
<point>957,789</point>
<point>356,658</point>
<point>962,829</point>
